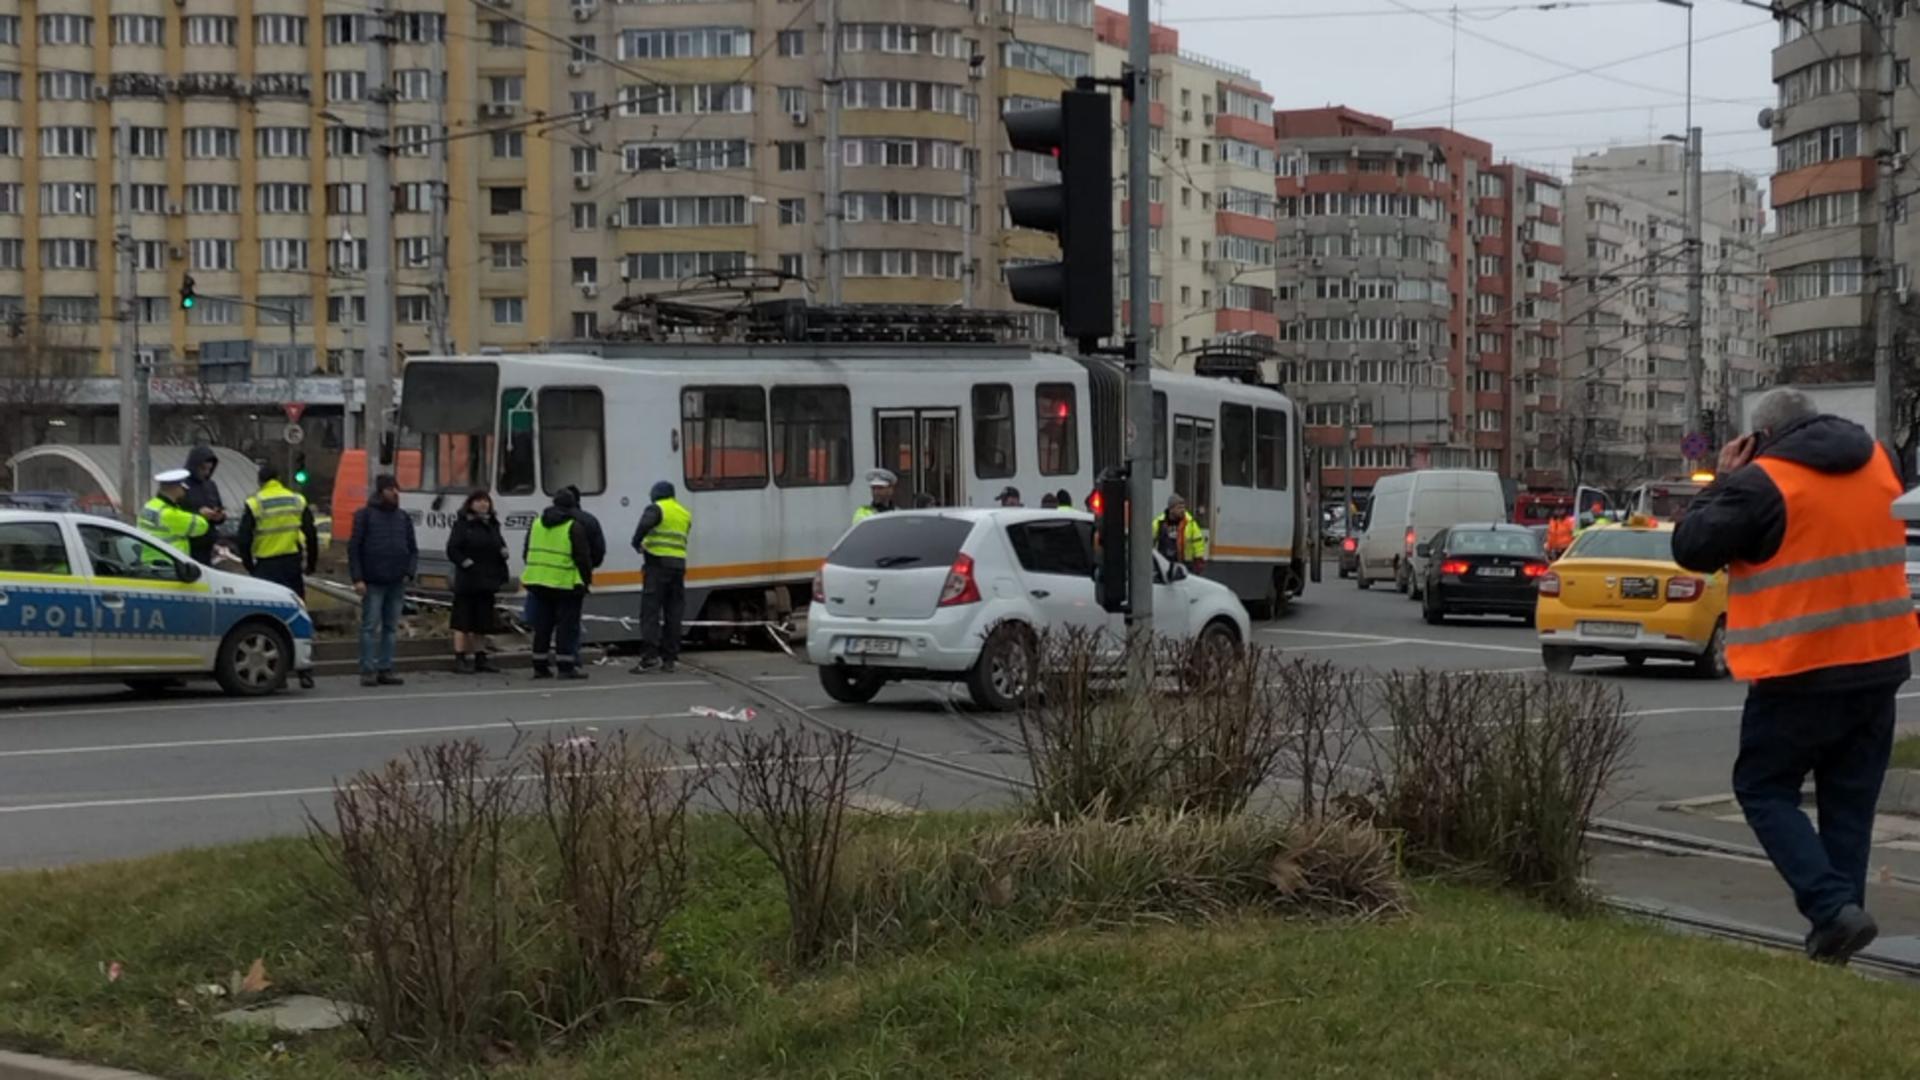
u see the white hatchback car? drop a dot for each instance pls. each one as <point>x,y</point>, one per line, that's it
<point>955,595</point>
<point>87,598</point>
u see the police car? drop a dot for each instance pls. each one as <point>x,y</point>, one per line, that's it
<point>84,597</point>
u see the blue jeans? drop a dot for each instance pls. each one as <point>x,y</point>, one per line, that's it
<point>379,615</point>
<point>1843,739</point>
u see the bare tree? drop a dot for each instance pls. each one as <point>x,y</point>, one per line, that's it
<point>41,375</point>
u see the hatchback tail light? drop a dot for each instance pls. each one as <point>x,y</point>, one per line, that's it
<point>1455,567</point>
<point>1534,569</point>
<point>1681,590</point>
<point>820,585</point>
<point>960,587</point>
<point>1549,583</point>
<point>1349,544</point>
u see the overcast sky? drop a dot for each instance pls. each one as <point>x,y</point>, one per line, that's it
<point>1533,109</point>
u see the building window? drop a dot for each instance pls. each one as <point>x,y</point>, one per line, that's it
<point>573,440</point>
<point>216,30</point>
<point>282,254</point>
<point>508,254</point>
<point>994,457</point>
<point>584,270</point>
<point>414,84</point>
<point>793,156</point>
<point>812,436</point>
<point>66,142</point>
<point>343,29</point>
<point>586,325</point>
<point>282,198</point>
<point>506,89</point>
<point>213,198</point>
<point>208,254</point>
<point>508,144</point>
<point>505,200</point>
<point>67,254</point>
<point>793,211</point>
<point>582,48</point>
<point>794,266</point>
<point>793,42</point>
<point>346,142</point>
<point>148,142</point>
<point>723,437</point>
<point>509,310</point>
<point>1057,429</point>
<point>279,30</point>
<point>346,198</point>
<point>415,251</point>
<point>66,30</point>
<point>585,215</point>
<point>66,85</point>
<point>64,199</point>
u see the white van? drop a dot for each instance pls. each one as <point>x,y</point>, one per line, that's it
<point>1408,508</point>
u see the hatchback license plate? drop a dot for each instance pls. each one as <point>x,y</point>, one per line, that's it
<point>1611,629</point>
<point>873,646</point>
<point>1496,571</point>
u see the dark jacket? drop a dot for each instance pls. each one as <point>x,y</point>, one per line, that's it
<point>478,553</point>
<point>382,550</point>
<point>202,494</point>
<point>649,521</point>
<point>552,517</point>
<point>1743,517</point>
<point>596,536</point>
<point>244,539</point>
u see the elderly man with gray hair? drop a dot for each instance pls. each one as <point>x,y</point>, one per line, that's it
<point>1819,623</point>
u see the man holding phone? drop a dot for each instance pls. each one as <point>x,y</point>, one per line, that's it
<point>1819,623</point>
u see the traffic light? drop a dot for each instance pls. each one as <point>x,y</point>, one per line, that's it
<point>1079,210</point>
<point>300,469</point>
<point>187,295</point>
<point>1111,498</point>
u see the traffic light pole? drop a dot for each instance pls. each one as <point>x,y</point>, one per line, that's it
<point>1138,92</point>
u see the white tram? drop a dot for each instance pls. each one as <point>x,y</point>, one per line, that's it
<point>769,447</point>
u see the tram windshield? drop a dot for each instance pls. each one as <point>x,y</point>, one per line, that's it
<point>448,410</point>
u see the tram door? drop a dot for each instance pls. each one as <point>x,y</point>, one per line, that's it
<point>1193,467</point>
<point>922,448</point>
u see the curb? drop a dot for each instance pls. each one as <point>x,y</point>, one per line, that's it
<point>29,1067</point>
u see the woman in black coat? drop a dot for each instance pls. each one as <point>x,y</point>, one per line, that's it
<point>478,553</point>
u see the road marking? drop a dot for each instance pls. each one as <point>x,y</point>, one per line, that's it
<point>1384,640</point>
<point>339,736</point>
<point>781,678</point>
<point>345,699</point>
<point>1682,710</point>
<point>1348,645</point>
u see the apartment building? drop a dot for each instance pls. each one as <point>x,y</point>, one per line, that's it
<point>1210,203</point>
<point>548,158</point>
<point>1417,300</point>
<point>1828,137</point>
<point>1627,325</point>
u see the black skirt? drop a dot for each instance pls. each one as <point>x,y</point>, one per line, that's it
<point>473,613</point>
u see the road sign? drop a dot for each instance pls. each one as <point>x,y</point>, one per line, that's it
<point>294,410</point>
<point>1694,446</point>
<point>295,434</point>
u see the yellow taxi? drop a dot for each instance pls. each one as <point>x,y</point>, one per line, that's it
<point>1618,592</point>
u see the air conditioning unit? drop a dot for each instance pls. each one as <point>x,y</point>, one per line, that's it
<point>613,219</point>
<point>576,68</point>
<point>496,108</point>
<point>174,209</point>
<point>589,289</point>
<point>583,12</point>
<point>586,124</point>
<point>101,92</point>
<point>799,119</point>
<point>583,180</point>
<point>172,86</point>
<point>176,252</point>
<point>242,88</point>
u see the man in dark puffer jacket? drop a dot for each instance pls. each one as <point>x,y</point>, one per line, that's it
<point>382,556</point>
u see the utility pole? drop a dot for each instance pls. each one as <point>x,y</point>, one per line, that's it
<point>134,462</point>
<point>379,365</point>
<point>966,241</point>
<point>830,86</point>
<point>437,290</point>
<point>1139,350</point>
<point>1696,303</point>
<point>1353,426</point>
<point>1888,306</point>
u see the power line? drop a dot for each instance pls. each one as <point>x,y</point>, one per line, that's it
<point>1496,9</point>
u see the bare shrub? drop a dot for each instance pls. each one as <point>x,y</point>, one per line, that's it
<point>421,848</point>
<point>616,814</point>
<point>1227,731</point>
<point>1502,774</point>
<point>1023,877</point>
<point>1089,750</point>
<point>1327,733</point>
<point>788,789</point>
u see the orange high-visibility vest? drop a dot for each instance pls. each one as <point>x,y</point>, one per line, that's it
<point>1560,534</point>
<point>1836,591</point>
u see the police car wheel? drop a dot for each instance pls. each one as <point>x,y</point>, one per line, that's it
<point>255,659</point>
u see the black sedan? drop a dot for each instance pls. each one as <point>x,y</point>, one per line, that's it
<point>1490,569</point>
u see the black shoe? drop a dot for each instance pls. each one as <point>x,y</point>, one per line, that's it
<point>306,680</point>
<point>1835,941</point>
<point>484,664</point>
<point>369,680</point>
<point>647,663</point>
<point>464,665</point>
<point>388,678</point>
<point>541,671</point>
<point>572,673</point>
<point>667,667</point>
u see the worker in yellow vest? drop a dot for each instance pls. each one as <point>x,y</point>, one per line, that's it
<point>1178,538</point>
<point>559,569</point>
<point>277,538</point>
<point>166,519</point>
<point>661,541</point>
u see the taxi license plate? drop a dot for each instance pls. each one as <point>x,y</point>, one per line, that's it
<point>873,646</point>
<point>1611,629</point>
<point>1496,571</point>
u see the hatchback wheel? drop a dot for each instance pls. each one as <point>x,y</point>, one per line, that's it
<point>1002,674</point>
<point>1712,664</point>
<point>255,659</point>
<point>850,686</point>
<point>1556,658</point>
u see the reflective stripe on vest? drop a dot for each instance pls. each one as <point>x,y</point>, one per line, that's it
<point>668,540</point>
<point>550,557</point>
<point>1836,591</point>
<point>277,514</point>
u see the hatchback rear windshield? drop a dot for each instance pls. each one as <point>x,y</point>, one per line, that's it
<point>1491,542</point>
<point>890,542</point>
<point>1654,544</point>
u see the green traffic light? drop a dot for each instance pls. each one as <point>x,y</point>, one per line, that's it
<point>186,301</point>
<point>300,477</point>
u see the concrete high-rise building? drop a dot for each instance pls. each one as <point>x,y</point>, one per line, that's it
<point>549,157</point>
<point>1417,299</point>
<point>1626,334</point>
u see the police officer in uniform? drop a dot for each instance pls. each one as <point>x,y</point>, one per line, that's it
<point>166,518</point>
<point>559,568</point>
<point>880,482</point>
<point>661,541</point>
<point>277,538</point>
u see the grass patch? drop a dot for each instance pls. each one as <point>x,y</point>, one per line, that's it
<point>1471,984</point>
<point>1906,752</point>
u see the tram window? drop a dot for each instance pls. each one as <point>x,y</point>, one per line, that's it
<point>1270,449</point>
<point>447,409</point>
<point>1193,465</point>
<point>573,440</point>
<point>812,436</point>
<point>516,427</point>
<point>993,448</point>
<point>1159,435</point>
<point>723,437</point>
<point>1236,445</point>
<point>1058,429</point>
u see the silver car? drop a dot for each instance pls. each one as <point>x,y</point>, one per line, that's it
<point>1913,565</point>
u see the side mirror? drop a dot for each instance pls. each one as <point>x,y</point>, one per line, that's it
<point>1423,550</point>
<point>1176,572</point>
<point>188,572</point>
